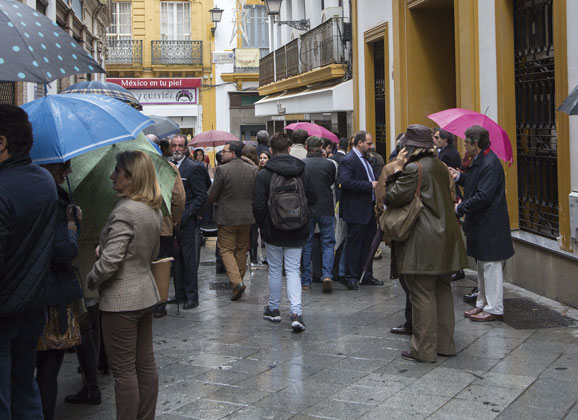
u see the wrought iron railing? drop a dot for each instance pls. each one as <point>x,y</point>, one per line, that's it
<point>128,52</point>
<point>536,137</point>
<point>319,47</point>
<point>169,52</point>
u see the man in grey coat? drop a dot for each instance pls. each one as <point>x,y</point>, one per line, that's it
<point>232,193</point>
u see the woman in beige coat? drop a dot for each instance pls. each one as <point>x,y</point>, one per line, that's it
<point>128,244</point>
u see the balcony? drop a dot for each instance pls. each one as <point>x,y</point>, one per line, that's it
<point>320,47</point>
<point>124,52</point>
<point>179,53</point>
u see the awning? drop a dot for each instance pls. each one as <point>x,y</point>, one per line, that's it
<point>337,98</point>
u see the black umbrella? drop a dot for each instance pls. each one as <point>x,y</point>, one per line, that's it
<point>36,49</point>
<point>372,250</point>
<point>96,87</point>
<point>570,104</point>
<point>162,127</point>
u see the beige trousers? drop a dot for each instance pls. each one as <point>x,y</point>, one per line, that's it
<point>233,241</point>
<point>128,340</point>
<point>433,316</point>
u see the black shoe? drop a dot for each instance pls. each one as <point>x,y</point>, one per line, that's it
<point>272,315</point>
<point>371,281</point>
<point>472,296</point>
<point>191,304</point>
<point>174,300</point>
<point>401,330</point>
<point>87,395</point>
<point>297,323</point>
<point>352,285</point>
<point>160,313</point>
<point>238,291</point>
<point>458,275</point>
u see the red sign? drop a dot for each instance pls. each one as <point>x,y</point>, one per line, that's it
<point>161,83</point>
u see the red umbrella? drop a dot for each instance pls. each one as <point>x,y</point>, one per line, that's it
<point>212,138</point>
<point>313,130</point>
<point>458,120</point>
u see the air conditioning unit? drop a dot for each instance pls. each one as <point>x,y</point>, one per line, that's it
<point>330,12</point>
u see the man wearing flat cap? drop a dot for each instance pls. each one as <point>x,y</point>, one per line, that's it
<point>356,207</point>
<point>323,171</point>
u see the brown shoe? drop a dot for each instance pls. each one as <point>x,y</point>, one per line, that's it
<point>327,285</point>
<point>471,312</point>
<point>485,316</point>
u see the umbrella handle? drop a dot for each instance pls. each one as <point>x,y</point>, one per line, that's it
<point>76,221</point>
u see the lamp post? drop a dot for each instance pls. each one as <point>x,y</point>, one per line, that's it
<point>216,15</point>
<point>274,9</point>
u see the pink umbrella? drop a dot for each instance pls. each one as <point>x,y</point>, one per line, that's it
<point>212,138</point>
<point>313,130</point>
<point>458,120</point>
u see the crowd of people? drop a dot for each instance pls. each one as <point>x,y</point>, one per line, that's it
<point>300,195</point>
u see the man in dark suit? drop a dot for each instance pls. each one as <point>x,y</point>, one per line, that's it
<point>447,153</point>
<point>341,151</point>
<point>193,175</point>
<point>356,207</point>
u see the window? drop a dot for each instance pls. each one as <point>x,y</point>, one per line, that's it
<point>257,30</point>
<point>120,27</point>
<point>175,21</point>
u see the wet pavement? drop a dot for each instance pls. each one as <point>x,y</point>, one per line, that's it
<point>222,360</point>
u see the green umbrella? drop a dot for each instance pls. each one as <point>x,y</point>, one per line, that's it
<point>92,187</point>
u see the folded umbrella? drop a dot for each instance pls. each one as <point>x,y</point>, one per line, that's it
<point>162,127</point>
<point>313,130</point>
<point>65,126</point>
<point>92,187</point>
<point>36,49</point>
<point>372,250</point>
<point>458,120</point>
<point>570,104</point>
<point>97,87</point>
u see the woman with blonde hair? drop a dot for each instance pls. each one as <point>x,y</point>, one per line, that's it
<point>128,244</point>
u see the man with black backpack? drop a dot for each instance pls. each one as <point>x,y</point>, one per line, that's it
<point>281,201</point>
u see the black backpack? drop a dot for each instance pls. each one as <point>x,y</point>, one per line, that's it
<point>287,202</point>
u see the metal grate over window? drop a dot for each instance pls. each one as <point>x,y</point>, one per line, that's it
<point>536,136</point>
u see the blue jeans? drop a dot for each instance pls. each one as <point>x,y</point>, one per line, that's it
<point>19,395</point>
<point>327,233</point>
<point>276,255</point>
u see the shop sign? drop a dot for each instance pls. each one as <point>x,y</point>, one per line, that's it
<point>157,83</point>
<point>223,57</point>
<point>162,90</point>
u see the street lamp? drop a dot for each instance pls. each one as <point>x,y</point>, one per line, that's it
<point>274,9</point>
<point>216,15</point>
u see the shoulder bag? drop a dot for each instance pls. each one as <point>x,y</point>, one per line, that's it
<point>397,223</point>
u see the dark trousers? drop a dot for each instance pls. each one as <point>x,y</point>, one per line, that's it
<point>48,363</point>
<point>359,238</point>
<point>128,338</point>
<point>254,238</point>
<point>87,352</point>
<point>408,313</point>
<point>19,396</point>
<point>187,262</point>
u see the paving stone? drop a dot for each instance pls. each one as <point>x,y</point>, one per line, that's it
<point>253,413</point>
<point>415,402</point>
<point>437,387</point>
<point>339,376</point>
<point>490,395</point>
<point>477,365</point>
<point>207,410</point>
<point>502,380</point>
<point>384,412</point>
<point>363,395</point>
<point>465,409</point>
<point>342,410</point>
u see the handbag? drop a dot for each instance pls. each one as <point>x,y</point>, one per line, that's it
<point>161,270</point>
<point>397,223</point>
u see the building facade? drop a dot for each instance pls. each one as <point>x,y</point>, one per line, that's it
<point>161,52</point>
<point>307,74</point>
<point>515,61</point>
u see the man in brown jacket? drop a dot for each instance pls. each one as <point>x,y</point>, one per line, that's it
<point>232,193</point>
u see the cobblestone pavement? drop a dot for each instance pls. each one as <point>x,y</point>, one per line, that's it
<point>224,361</point>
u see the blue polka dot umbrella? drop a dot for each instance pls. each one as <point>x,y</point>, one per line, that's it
<point>35,49</point>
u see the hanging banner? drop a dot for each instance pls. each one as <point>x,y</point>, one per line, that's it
<point>247,57</point>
